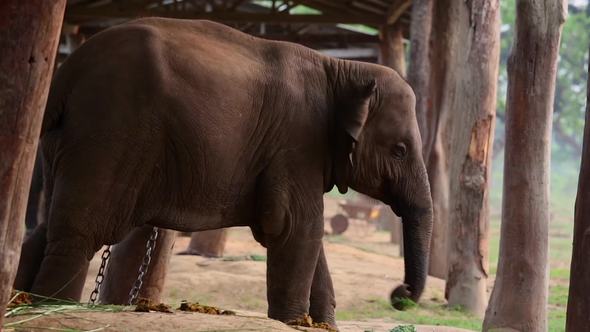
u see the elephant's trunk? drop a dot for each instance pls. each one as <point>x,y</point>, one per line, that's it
<point>417,230</point>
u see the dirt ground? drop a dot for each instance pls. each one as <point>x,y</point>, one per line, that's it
<point>362,261</point>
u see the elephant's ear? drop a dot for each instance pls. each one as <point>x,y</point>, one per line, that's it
<point>351,117</point>
<point>353,114</point>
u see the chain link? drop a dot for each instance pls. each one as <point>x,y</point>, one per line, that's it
<point>100,276</point>
<point>150,246</point>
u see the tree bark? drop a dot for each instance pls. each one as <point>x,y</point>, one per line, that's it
<point>419,71</point>
<point>29,35</point>
<point>473,108</point>
<point>519,298</point>
<point>207,243</point>
<point>437,140</point>
<point>126,258</point>
<point>578,304</point>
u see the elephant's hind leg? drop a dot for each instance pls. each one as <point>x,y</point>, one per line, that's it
<point>63,271</point>
<point>32,254</point>
<point>92,204</point>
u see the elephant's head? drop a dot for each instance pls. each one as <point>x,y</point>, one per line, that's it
<point>378,152</point>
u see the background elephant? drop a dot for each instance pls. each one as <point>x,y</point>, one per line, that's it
<point>191,125</point>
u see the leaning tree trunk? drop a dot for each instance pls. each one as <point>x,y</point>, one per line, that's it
<point>207,243</point>
<point>519,298</point>
<point>392,55</point>
<point>29,35</point>
<point>473,108</point>
<point>578,303</point>
<point>126,258</point>
<point>436,143</point>
<point>419,71</point>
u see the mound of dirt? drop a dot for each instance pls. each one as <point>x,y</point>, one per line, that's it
<point>178,321</point>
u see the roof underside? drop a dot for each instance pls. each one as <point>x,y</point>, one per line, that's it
<point>347,27</point>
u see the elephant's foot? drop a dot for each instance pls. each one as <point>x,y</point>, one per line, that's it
<point>324,319</point>
<point>61,277</point>
<point>307,321</point>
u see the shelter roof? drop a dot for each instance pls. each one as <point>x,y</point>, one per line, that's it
<point>347,27</point>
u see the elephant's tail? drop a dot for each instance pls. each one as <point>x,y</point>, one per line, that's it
<point>53,114</point>
<point>56,101</point>
<point>35,195</point>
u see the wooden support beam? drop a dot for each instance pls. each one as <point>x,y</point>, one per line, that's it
<point>397,9</point>
<point>235,17</point>
<point>324,38</point>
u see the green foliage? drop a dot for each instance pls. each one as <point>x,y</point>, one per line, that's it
<point>570,93</point>
<point>403,303</point>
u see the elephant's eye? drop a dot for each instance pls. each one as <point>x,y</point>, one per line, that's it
<point>399,151</point>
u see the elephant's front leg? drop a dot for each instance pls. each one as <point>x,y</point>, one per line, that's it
<point>322,299</point>
<point>290,269</point>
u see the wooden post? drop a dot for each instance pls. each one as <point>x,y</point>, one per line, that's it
<point>578,303</point>
<point>29,34</point>
<point>392,54</point>
<point>419,72</point>
<point>207,243</point>
<point>476,46</point>
<point>437,143</point>
<point>519,298</point>
<point>391,47</point>
<point>126,258</point>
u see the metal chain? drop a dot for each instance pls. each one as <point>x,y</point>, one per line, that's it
<point>100,276</point>
<point>150,246</point>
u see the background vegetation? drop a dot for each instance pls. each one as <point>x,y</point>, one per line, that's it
<point>568,127</point>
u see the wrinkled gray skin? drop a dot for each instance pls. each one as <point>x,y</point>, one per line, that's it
<point>191,125</point>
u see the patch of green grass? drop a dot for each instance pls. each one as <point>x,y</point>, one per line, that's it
<point>558,295</point>
<point>26,313</point>
<point>423,313</point>
<point>560,274</point>
<point>556,320</point>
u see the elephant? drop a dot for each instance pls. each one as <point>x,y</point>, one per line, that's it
<point>191,125</point>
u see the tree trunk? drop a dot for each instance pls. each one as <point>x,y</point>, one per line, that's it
<point>519,298</point>
<point>207,243</point>
<point>436,142</point>
<point>419,72</point>
<point>473,108</point>
<point>578,304</point>
<point>392,55</point>
<point>126,258</point>
<point>29,35</point>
